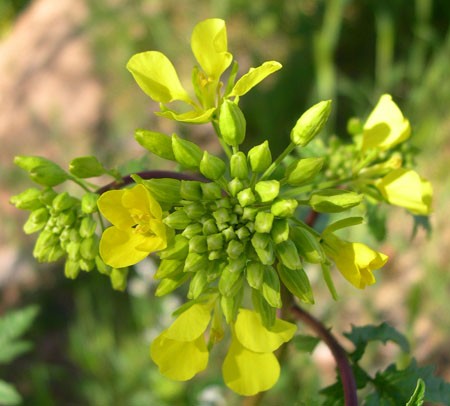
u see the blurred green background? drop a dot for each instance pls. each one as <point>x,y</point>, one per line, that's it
<point>65,92</point>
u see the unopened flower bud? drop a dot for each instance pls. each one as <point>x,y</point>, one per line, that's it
<point>303,170</point>
<point>265,310</point>
<point>310,123</point>
<point>221,215</point>
<point>267,190</point>
<point>211,191</point>
<point>243,233</point>
<point>177,248</point>
<point>48,175</point>
<point>235,249</point>
<point>63,202</point>
<point>158,143</point>
<point>86,167</point>
<point>232,123</point>
<point>209,227</point>
<point>186,153</point>
<point>177,220</point>
<point>230,282</point>
<point>213,255</point>
<point>66,218</point>
<point>288,255</point>
<point>101,266</point>
<point>168,268</point>
<point>271,287</point>
<point>284,208</point>
<point>260,157</point>
<point>307,245</point>
<point>214,241</point>
<point>71,269</point>
<point>246,197</point>
<point>235,186</point>
<point>238,166</point>
<point>118,278</point>
<point>170,283</point>
<point>87,227</point>
<point>191,230</point>
<point>229,234</point>
<point>263,222</point>
<point>249,213</point>
<point>255,273</point>
<point>297,283</point>
<point>27,200</point>
<point>198,283</point>
<point>198,244</point>
<point>280,231</point>
<point>212,167</point>
<point>89,247</point>
<point>191,190</point>
<point>334,200</point>
<point>237,264</point>
<point>194,262</point>
<point>89,203</point>
<point>73,249</point>
<point>354,126</point>
<point>266,255</point>
<point>260,240</point>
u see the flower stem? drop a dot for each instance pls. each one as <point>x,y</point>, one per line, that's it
<point>225,147</point>
<point>308,188</point>
<point>277,161</point>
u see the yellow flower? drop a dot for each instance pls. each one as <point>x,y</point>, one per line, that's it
<point>406,188</point>
<point>137,226</point>
<point>354,260</point>
<point>385,126</point>
<point>180,351</point>
<point>250,365</point>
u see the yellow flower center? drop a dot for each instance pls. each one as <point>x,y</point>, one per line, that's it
<point>142,225</point>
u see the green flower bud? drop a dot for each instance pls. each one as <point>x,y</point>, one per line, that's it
<point>47,196</point>
<point>118,278</point>
<point>191,190</point>
<point>209,227</point>
<point>63,201</point>
<point>260,157</point>
<point>267,190</point>
<point>65,235</point>
<point>36,221</point>
<point>238,209</point>
<point>246,197</point>
<point>194,262</point>
<point>187,154</point>
<point>44,243</point>
<point>66,218</point>
<point>198,283</point>
<point>158,143</point>
<point>30,162</point>
<point>255,273</point>
<point>89,247</point>
<point>238,166</point>
<point>27,200</point>
<point>297,283</point>
<point>310,123</point>
<point>86,167</point>
<point>195,210</point>
<point>211,191</point>
<point>212,167</point>
<point>237,264</point>
<point>216,331</point>
<point>74,235</point>
<point>170,283</point>
<point>354,126</point>
<point>55,253</point>
<point>266,255</point>
<point>260,240</point>
<point>230,305</point>
<point>73,249</point>
<point>235,249</point>
<point>163,190</point>
<point>48,175</point>
<point>222,215</point>
<point>307,245</point>
<point>87,227</point>
<point>271,287</point>
<point>169,267</point>
<point>214,242</point>
<point>284,208</point>
<point>229,234</point>
<point>288,255</point>
<point>232,123</point>
<point>334,200</point>
<point>263,222</point>
<point>215,269</point>
<point>267,312</point>
<point>251,226</point>
<point>71,269</point>
<point>223,203</point>
<point>249,213</point>
<point>101,266</point>
<point>303,170</point>
<point>89,203</point>
<point>177,220</point>
<point>280,231</point>
<point>191,230</point>
<point>222,226</point>
<point>230,282</point>
<point>197,244</point>
<point>243,233</point>
<point>235,186</point>
<point>213,255</point>
<point>177,248</point>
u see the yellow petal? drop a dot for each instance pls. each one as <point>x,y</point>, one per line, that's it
<point>406,188</point>
<point>179,360</point>
<point>118,247</point>
<point>157,77</point>
<point>193,116</point>
<point>209,45</point>
<point>110,205</point>
<point>190,324</point>
<point>255,337</point>
<point>385,126</point>
<point>254,76</point>
<point>247,372</point>
<point>139,199</point>
<point>151,244</point>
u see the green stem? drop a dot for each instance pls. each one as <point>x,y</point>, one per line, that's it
<point>100,219</point>
<point>80,183</point>
<point>309,188</point>
<point>253,179</point>
<point>225,147</point>
<point>275,163</point>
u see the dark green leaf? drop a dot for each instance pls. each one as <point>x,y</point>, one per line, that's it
<point>15,323</point>
<point>305,343</point>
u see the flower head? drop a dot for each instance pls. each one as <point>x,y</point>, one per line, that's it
<point>355,260</point>
<point>406,188</point>
<point>137,228</point>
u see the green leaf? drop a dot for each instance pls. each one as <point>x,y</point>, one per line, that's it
<point>418,395</point>
<point>15,323</point>
<point>86,167</point>
<point>9,395</point>
<point>305,343</point>
<point>360,336</point>
<point>11,350</point>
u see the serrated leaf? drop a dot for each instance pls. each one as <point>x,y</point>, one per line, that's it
<point>418,395</point>
<point>305,343</point>
<point>360,336</point>
<point>11,350</point>
<point>9,395</point>
<point>15,323</point>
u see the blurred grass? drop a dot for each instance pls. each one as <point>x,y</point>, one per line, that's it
<point>93,342</point>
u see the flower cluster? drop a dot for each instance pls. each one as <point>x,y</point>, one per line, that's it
<point>234,232</point>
